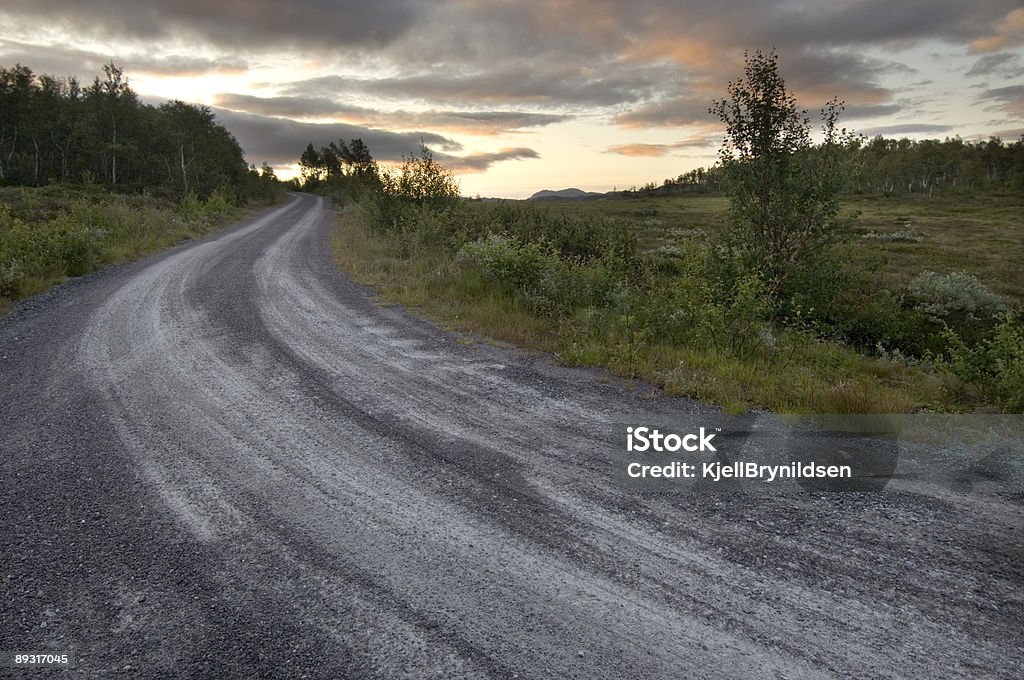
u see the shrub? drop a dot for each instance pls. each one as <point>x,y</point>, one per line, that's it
<point>78,248</point>
<point>10,275</point>
<point>422,183</point>
<point>783,190</point>
<point>954,298</point>
<point>995,365</point>
<point>219,204</point>
<point>543,280</point>
<point>574,236</point>
<point>191,208</point>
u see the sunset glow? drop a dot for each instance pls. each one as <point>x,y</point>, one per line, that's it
<point>518,97</point>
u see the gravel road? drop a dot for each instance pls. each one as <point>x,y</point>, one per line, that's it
<point>227,461</point>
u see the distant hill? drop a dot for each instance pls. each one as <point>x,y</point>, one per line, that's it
<point>564,195</point>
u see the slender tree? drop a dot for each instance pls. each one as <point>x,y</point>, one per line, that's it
<point>784,192</point>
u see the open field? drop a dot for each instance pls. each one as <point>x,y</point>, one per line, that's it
<point>757,366</point>
<point>978,233</point>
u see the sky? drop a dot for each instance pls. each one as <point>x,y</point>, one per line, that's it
<point>517,96</point>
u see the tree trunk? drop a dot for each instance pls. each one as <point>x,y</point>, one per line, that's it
<point>113,158</point>
<point>184,172</point>
<point>35,167</point>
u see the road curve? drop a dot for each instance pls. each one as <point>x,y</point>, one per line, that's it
<point>227,461</point>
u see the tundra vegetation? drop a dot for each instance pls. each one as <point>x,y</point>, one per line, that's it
<point>91,175</point>
<point>786,276</point>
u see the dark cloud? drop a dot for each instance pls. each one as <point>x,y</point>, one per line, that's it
<point>542,85</point>
<point>290,107</point>
<point>62,60</point>
<point>280,141</point>
<point>884,21</point>
<point>815,77</point>
<point>1006,94</point>
<point>468,122</point>
<point>1011,134</point>
<point>674,112</point>
<point>870,111</point>
<point>819,76</point>
<point>905,129</point>
<point>852,23</point>
<point>252,24</point>
<point>472,65</point>
<point>1009,99</point>
<point>1001,63</point>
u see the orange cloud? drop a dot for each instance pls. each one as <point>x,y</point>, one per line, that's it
<point>642,150</point>
<point>1007,33</point>
<point>711,137</point>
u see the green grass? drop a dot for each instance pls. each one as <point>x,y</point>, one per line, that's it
<point>978,233</point>
<point>802,375</point>
<point>50,233</point>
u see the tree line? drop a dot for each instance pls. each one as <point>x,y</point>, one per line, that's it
<point>344,169</point>
<point>55,130</point>
<point>900,166</point>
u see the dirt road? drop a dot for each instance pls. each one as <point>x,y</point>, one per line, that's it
<point>227,461</point>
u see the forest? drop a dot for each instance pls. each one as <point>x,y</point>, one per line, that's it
<point>54,130</point>
<point>885,167</point>
<point>91,175</point>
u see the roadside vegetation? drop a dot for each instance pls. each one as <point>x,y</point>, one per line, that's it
<point>50,233</point>
<point>91,176</point>
<point>788,290</point>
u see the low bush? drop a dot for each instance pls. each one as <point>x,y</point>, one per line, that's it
<point>72,232</point>
<point>957,298</point>
<point>995,365</point>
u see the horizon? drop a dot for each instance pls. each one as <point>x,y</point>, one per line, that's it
<point>520,97</point>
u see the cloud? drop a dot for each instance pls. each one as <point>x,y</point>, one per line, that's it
<point>542,85</point>
<point>567,56</point>
<point>465,122</point>
<point>479,162</point>
<point>871,111</point>
<point>882,22</point>
<point>673,111</point>
<point>280,141</point>
<point>62,60</point>
<point>644,150</point>
<point>905,129</point>
<point>1001,63</point>
<point>296,24</point>
<point>1009,99</point>
<point>815,78</point>
<point>290,107</point>
<point>699,141</point>
<point>1007,32</point>
<point>1011,134</point>
<point>497,67</point>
